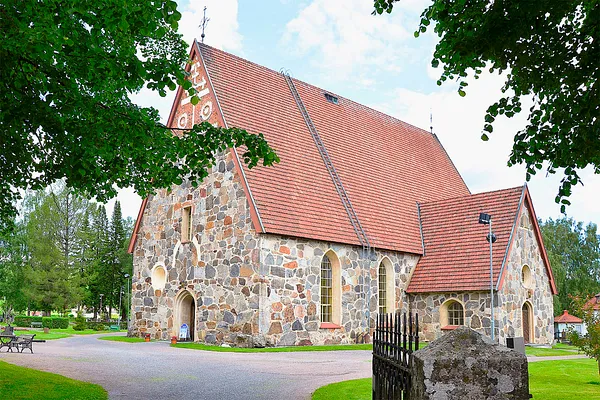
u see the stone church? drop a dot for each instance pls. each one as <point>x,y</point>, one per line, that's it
<point>365,214</point>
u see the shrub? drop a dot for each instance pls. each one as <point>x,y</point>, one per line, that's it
<point>100,327</point>
<point>22,321</point>
<point>60,323</point>
<point>47,322</point>
<point>80,324</point>
<point>35,319</point>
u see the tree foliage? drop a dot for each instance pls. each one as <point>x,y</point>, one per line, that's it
<point>64,253</point>
<point>590,343</point>
<point>68,68</point>
<point>549,51</point>
<point>574,253</point>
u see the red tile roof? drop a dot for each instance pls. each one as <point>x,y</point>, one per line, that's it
<point>457,256</point>
<point>385,165</point>
<point>567,318</point>
<point>594,302</point>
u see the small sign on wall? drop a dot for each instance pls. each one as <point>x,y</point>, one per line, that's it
<point>184,332</point>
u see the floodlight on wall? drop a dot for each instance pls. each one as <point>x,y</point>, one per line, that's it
<point>486,219</point>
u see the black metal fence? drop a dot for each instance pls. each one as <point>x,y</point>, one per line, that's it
<point>396,338</point>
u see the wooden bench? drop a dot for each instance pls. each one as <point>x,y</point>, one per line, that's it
<point>36,324</point>
<point>24,342</point>
<point>114,327</point>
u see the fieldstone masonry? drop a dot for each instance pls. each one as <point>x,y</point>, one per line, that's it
<point>462,366</point>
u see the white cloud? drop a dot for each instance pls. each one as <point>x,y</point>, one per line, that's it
<point>348,39</point>
<point>222,29</point>
<point>458,122</point>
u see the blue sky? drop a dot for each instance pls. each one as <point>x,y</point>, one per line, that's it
<point>375,60</point>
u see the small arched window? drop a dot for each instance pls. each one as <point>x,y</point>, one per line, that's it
<point>382,290</point>
<point>456,314</point>
<point>326,290</point>
<point>452,313</point>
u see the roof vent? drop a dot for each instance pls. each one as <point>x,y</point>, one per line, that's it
<point>331,98</point>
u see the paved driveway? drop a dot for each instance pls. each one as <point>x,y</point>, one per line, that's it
<point>155,370</point>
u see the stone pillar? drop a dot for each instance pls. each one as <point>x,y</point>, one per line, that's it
<point>461,365</point>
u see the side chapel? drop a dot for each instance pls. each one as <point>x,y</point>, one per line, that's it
<point>365,214</point>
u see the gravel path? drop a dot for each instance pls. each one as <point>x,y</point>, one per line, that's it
<point>153,370</point>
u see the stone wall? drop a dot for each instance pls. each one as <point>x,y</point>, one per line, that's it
<point>476,306</point>
<point>291,312</point>
<point>218,267</point>
<point>514,293</point>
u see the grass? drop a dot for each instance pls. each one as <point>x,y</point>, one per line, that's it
<point>356,389</point>
<point>39,334</point>
<point>122,339</point>
<point>206,347</point>
<point>556,350</point>
<point>57,333</point>
<point>564,380</point>
<point>548,380</point>
<point>19,383</point>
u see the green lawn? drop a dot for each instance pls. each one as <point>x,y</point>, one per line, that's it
<point>548,380</point>
<point>122,339</point>
<point>357,389</point>
<point>19,383</point>
<point>556,350</point>
<point>58,333</point>
<point>564,380</point>
<point>200,346</point>
<point>39,334</point>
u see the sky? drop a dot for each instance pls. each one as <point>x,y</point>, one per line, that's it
<point>375,60</point>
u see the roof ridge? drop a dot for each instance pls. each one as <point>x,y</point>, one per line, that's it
<point>368,108</point>
<point>470,195</point>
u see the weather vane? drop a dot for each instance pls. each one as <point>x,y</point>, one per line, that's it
<point>204,23</point>
<point>430,120</point>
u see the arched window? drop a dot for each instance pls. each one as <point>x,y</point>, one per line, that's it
<point>456,314</point>
<point>382,290</point>
<point>386,287</point>
<point>331,291</point>
<point>326,290</point>
<point>452,313</point>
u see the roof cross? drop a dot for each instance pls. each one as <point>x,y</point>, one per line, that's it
<point>203,25</point>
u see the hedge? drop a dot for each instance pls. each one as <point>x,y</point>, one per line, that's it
<point>25,321</point>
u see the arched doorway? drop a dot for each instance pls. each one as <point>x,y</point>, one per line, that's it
<point>527,318</point>
<point>185,313</point>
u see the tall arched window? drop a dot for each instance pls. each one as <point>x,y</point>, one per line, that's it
<point>326,290</point>
<point>382,289</point>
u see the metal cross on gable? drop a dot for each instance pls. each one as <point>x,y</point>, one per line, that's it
<point>203,25</point>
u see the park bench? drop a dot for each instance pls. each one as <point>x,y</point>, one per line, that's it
<point>24,342</point>
<point>36,324</point>
<point>114,327</point>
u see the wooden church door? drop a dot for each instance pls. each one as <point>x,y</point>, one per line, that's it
<point>526,324</point>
